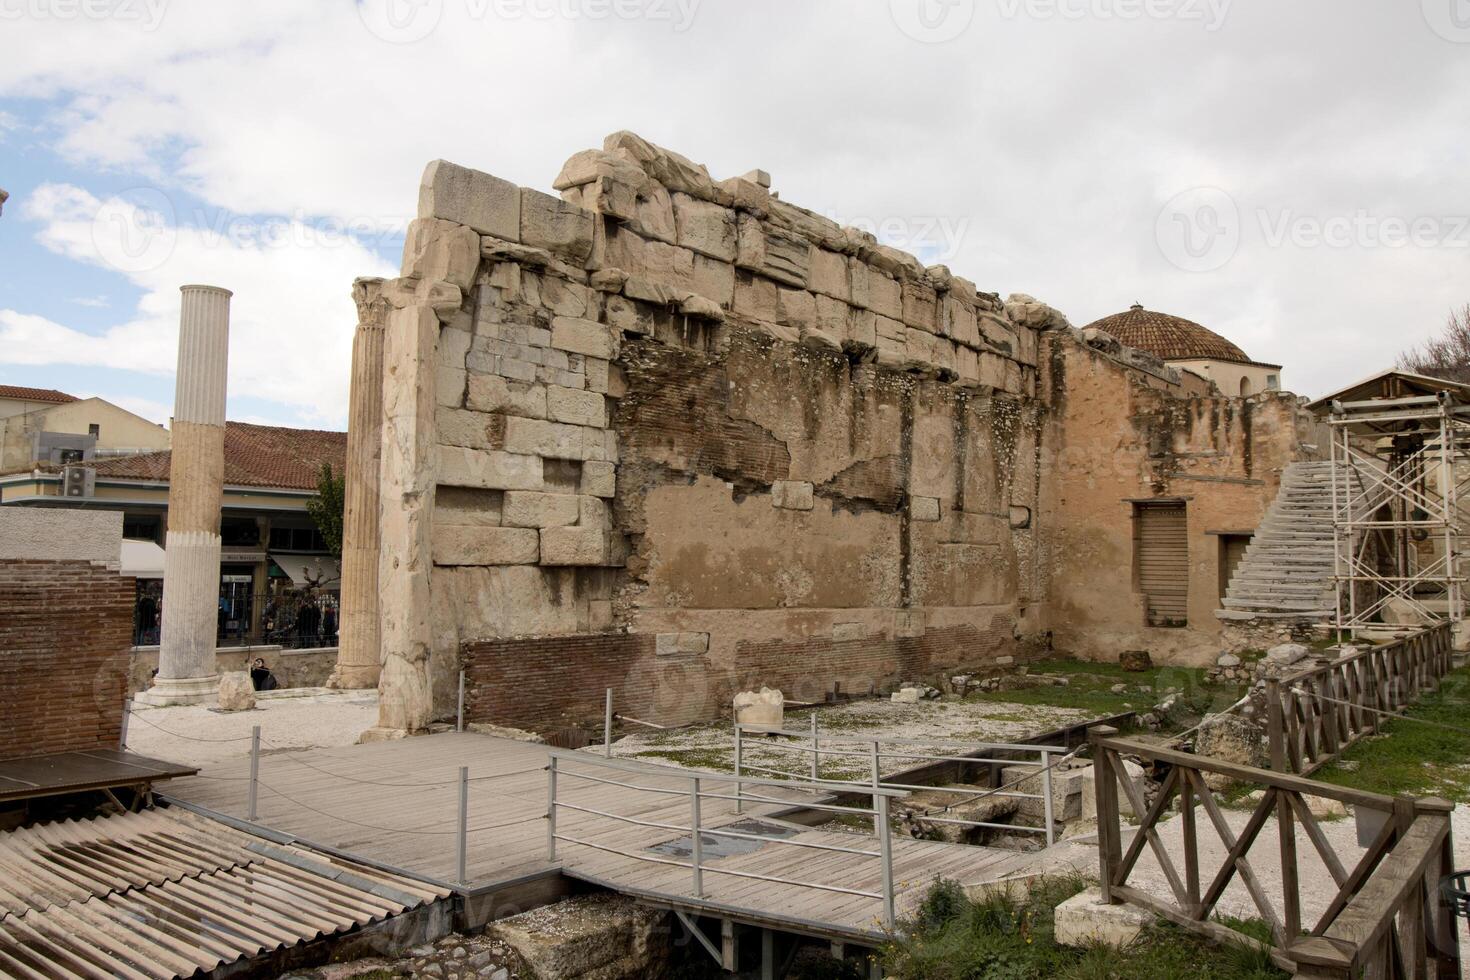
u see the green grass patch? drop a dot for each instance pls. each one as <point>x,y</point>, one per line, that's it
<point>1089,688</point>
<point>1012,937</point>
<point>1412,758</point>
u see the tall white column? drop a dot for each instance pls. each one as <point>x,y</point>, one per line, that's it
<point>357,647</point>
<point>186,658</point>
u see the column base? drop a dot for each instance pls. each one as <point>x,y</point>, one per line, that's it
<point>180,690</point>
<point>351,678</point>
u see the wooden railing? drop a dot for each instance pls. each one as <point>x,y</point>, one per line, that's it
<point>1386,919</point>
<point>1313,715</point>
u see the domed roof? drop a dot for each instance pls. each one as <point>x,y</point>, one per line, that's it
<point>1169,338</point>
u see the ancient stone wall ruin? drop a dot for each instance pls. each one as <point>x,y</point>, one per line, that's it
<point>678,437</point>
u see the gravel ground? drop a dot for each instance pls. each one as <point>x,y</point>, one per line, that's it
<point>711,747</point>
<point>294,719</point>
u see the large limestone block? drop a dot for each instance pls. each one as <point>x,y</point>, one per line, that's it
<point>574,546</point>
<point>527,509</point>
<point>705,227</point>
<point>553,440</point>
<point>599,479</point>
<point>473,430</point>
<point>775,254</point>
<point>466,506</point>
<point>920,306</point>
<point>583,337</point>
<point>681,644</point>
<point>460,545</point>
<point>493,470</point>
<point>236,693</point>
<point>603,182</point>
<point>492,393</point>
<point>435,249</point>
<point>885,296</point>
<point>765,708</point>
<point>676,172</point>
<point>487,204</point>
<point>593,937</point>
<point>829,274</point>
<point>564,230</point>
<point>576,407</point>
<point>792,495</point>
<point>924,508</point>
<point>1083,921</point>
<point>436,264</point>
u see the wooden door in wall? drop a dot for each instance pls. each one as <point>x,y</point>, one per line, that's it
<point>1161,555</point>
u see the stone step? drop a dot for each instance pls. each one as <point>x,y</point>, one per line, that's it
<point>1303,607</point>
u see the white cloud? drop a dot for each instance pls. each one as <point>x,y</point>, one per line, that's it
<point>291,318</point>
<point>95,302</point>
<point>1054,140</point>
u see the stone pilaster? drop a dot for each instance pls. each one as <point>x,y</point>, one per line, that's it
<point>358,654</point>
<point>406,505</point>
<point>186,660</point>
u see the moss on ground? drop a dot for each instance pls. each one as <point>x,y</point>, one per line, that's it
<point>1090,688</point>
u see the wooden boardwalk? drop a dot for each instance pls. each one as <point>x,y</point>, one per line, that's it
<point>395,804</point>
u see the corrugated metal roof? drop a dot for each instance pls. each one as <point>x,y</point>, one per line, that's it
<point>168,893</point>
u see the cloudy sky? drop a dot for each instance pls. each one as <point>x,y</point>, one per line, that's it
<point>1291,174</point>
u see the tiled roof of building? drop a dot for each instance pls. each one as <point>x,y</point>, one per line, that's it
<point>255,456</point>
<point>1170,338</point>
<point>36,394</point>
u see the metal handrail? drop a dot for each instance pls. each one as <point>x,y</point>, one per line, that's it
<point>696,794</point>
<point>876,754</point>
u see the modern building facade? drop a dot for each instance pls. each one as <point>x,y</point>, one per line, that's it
<point>42,425</point>
<point>273,553</point>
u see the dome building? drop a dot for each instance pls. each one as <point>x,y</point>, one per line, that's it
<point>1185,344</point>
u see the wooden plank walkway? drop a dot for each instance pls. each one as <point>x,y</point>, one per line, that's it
<point>396,804</point>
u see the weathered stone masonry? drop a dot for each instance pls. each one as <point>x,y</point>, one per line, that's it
<point>678,437</point>
<point>691,412</point>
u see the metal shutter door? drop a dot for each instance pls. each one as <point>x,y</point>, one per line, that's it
<point>1163,563</point>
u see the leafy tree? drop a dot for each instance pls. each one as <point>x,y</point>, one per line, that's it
<point>1444,356</point>
<point>327,507</point>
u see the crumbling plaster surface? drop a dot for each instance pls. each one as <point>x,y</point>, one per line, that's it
<point>712,434</point>
<point>1120,438</point>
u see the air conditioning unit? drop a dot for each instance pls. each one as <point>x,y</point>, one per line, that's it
<point>79,481</point>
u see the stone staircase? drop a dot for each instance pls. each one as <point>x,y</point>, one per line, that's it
<point>1287,570</point>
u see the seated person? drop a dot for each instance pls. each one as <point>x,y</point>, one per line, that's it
<point>261,676</point>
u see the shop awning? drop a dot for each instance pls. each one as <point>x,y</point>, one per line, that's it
<point>311,571</point>
<point>141,559</point>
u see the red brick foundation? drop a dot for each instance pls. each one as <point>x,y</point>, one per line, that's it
<point>549,683</point>
<point>65,629</point>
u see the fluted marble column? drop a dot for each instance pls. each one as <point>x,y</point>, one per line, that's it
<point>186,658</point>
<point>358,648</point>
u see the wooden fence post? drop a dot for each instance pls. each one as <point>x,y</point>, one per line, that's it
<point>1105,785</point>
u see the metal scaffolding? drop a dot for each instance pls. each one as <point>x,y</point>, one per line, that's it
<point>1398,530</point>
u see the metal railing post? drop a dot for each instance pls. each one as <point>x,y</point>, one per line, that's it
<point>1051,830</point>
<point>696,852</point>
<point>877,773</point>
<point>885,846</point>
<point>816,754</point>
<point>459,718</point>
<point>739,783</point>
<point>607,720</point>
<point>254,769</point>
<point>551,810</point>
<point>462,853</point>
<point>122,735</point>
